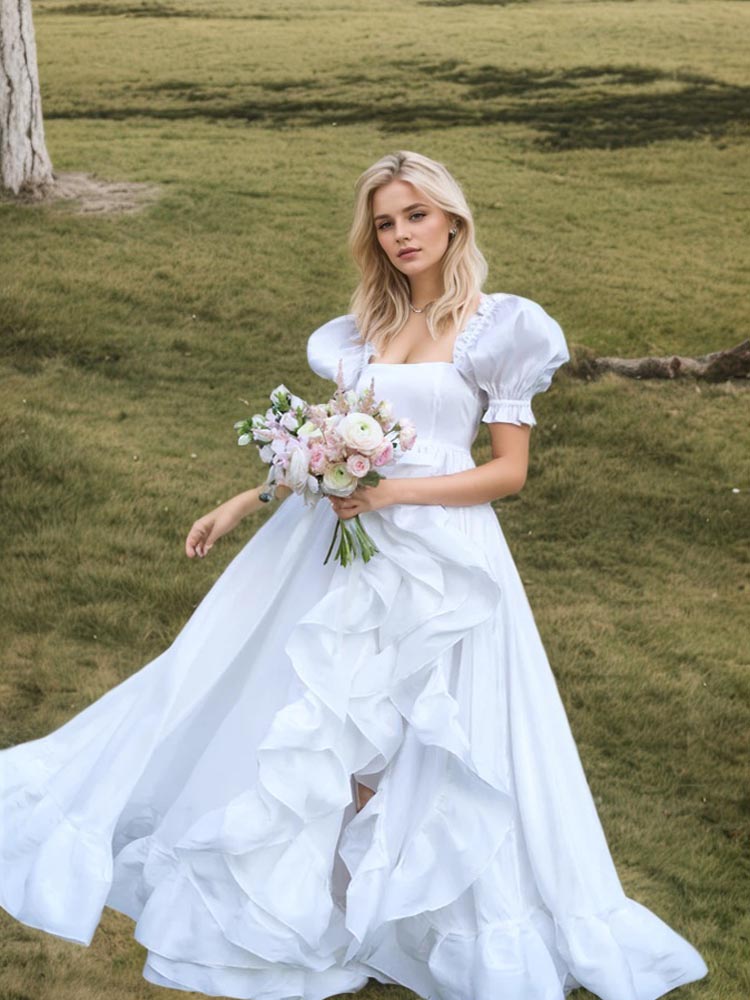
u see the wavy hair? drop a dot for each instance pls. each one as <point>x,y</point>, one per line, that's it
<point>380,302</point>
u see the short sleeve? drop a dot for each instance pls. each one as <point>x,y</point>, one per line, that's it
<point>338,339</point>
<point>514,356</point>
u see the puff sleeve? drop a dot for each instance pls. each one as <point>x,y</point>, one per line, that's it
<point>334,340</point>
<point>517,352</point>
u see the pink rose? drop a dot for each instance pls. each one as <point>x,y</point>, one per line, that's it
<point>384,454</point>
<point>318,459</point>
<point>358,465</point>
<point>407,435</point>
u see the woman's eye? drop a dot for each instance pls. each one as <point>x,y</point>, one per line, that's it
<point>414,215</point>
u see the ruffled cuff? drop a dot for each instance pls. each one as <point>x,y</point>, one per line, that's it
<point>509,411</point>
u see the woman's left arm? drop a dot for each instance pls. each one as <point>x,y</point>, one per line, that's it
<point>502,475</point>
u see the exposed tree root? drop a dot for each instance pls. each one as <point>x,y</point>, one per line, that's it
<point>733,362</point>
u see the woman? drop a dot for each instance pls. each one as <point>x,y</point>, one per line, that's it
<point>341,773</point>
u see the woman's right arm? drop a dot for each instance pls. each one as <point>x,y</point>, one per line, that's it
<point>209,528</point>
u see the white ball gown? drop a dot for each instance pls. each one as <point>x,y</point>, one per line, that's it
<point>210,795</point>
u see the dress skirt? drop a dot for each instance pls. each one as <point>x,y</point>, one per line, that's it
<point>210,795</point>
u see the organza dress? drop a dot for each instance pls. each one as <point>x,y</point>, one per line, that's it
<point>210,796</point>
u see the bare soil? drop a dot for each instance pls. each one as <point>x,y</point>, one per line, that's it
<point>89,194</point>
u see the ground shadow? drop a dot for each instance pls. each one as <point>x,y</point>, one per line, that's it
<point>469,3</point>
<point>150,8</point>
<point>606,106</point>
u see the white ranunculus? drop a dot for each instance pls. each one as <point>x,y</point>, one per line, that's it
<point>361,432</point>
<point>296,471</point>
<point>338,481</point>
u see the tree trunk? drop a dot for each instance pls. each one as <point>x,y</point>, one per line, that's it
<point>24,162</point>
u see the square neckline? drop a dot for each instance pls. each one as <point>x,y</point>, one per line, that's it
<point>484,298</point>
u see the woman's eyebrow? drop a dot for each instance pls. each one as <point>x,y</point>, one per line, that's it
<point>418,204</point>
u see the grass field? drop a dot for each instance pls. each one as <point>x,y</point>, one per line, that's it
<point>604,149</point>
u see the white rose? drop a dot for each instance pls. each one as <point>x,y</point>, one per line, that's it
<point>360,432</point>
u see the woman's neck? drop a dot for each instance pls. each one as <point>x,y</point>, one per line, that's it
<point>425,288</point>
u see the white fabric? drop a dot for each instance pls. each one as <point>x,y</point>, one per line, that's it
<point>209,796</point>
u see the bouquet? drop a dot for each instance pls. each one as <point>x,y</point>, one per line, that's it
<point>328,449</point>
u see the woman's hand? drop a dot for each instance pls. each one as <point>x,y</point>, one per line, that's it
<point>209,528</point>
<point>366,498</point>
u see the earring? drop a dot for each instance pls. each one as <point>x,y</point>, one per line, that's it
<point>452,233</point>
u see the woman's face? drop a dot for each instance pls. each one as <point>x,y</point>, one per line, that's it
<point>405,218</point>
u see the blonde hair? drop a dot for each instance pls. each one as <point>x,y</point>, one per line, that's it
<point>380,302</point>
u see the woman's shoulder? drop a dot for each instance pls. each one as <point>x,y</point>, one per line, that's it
<point>335,340</point>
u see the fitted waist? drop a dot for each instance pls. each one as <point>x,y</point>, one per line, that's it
<point>433,451</point>
<point>424,443</point>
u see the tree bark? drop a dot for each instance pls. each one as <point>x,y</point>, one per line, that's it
<point>734,362</point>
<point>24,162</point>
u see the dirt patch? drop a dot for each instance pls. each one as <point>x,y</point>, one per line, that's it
<point>90,195</point>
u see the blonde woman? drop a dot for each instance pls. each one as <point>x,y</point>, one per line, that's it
<point>335,774</point>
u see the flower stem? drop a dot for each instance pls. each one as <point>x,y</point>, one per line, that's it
<point>354,542</point>
<point>335,532</point>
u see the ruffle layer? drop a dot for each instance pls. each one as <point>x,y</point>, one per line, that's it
<point>626,953</point>
<point>369,659</point>
<point>509,411</point>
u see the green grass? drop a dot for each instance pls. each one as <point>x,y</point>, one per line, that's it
<point>603,147</point>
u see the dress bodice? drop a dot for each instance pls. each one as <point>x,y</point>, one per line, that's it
<point>433,394</point>
<point>508,351</point>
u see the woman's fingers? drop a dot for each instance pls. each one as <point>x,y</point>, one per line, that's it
<point>195,540</point>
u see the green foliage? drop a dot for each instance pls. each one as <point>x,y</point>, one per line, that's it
<point>603,147</point>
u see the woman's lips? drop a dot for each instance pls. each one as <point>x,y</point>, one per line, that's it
<point>407,253</point>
